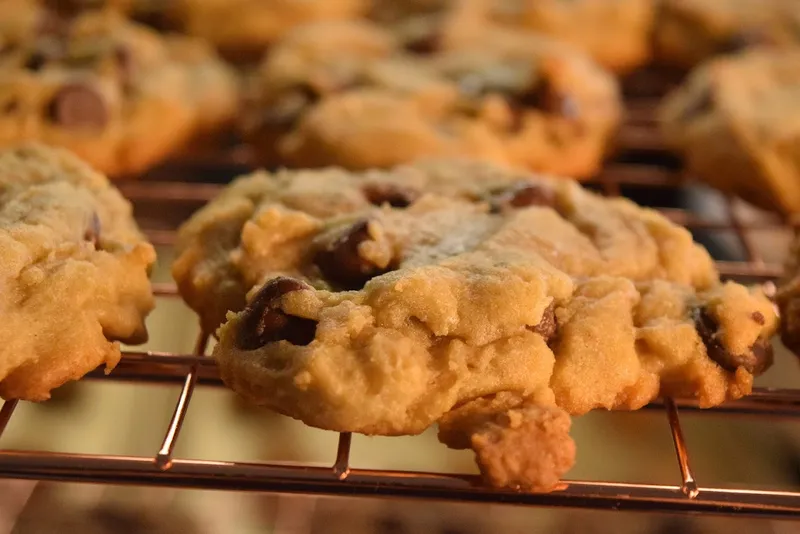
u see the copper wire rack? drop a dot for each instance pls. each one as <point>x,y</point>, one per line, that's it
<point>643,165</point>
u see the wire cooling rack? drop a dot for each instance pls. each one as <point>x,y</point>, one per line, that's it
<point>643,169</point>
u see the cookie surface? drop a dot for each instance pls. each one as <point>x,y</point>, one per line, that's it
<point>616,34</point>
<point>690,31</point>
<point>345,95</point>
<point>106,89</point>
<point>74,272</point>
<point>734,121</point>
<point>377,309</point>
<point>246,28</point>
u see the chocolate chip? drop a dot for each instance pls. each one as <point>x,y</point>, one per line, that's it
<point>92,233</point>
<point>341,263</point>
<point>548,324</point>
<point>550,100</point>
<point>429,43</point>
<point>264,322</point>
<point>521,195</point>
<point>35,61</point>
<point>756,361</point>
<point>395,195</point>
<point>758,317</point>
<point>78,105</point>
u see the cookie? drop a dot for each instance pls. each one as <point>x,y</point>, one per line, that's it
<point>74,273</point>
<point>244,29</point>
<point>381,302</point>
<point>616,34</point>
<point>347,96</point>
<point>787,298</point>
<point>733,121</point>
<point>120,96</point>
<point>690,31</point>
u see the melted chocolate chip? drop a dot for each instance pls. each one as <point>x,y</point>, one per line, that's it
<point>758,317</point>
<point>548,324</point>
<point>264,322</point>
<point>92,233</point>
<point>341,263</point>
<point>78,105</point>
<point>395,195</point>
<point>521,195</point>
<point>756,361</point>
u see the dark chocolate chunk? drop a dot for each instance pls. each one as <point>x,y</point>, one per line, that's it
<point>756,361</point>
<point>395,195</point>
<point>78,105</point>
<point>264,322</point>
<point>548,324</point>
<point>758,317</point>
<point>521,195</point>
<point>341,263</point>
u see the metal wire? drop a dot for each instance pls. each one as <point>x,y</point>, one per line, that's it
<point>193,370</point>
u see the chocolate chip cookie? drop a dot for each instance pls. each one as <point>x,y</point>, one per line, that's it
<point>73,272</point>
<point>117,94</point>
<point>734,122</point>
<point>346,95</point>
<point>244,29</point>
<point>616,34</point>
<point>689,31</point>
<point>493,301</point>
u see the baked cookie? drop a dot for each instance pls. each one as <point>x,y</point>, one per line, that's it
<point>343,94</point>
<point>73,272</point>
<point>493,301</point>
<point>690,31</point>
<point>244,29</point>
<point>616,34</point>
<point>105,88</point>
<point>735,123</point>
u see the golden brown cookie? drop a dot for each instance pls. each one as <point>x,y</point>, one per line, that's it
<point>492,301</point>
<point>616,34</point>
<point>117,94</point>
<point>344,95</point>
<point>690,31</point>
<point>246,28</point>
<point>74,272</point>
<point>736,122</point>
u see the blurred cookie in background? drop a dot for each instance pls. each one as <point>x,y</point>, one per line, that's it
<point>689,31</point>
<point>114,92</point>
<point>616,34</point>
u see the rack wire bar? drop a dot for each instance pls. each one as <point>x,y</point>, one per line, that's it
<point>285,478</point>
<point>638,170</point>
